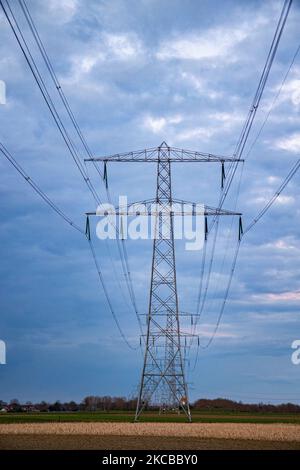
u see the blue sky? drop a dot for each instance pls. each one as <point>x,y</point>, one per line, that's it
<point>137,73</point>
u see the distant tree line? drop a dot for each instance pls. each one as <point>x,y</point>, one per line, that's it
<point>108,403</point>
<point>90,403</point>
<point>222,404</point>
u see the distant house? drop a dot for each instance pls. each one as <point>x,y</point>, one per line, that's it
<point>29,408</point>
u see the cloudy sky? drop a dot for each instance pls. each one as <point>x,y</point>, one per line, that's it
<point>136,73</point>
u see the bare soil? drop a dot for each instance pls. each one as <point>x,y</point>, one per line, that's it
<point>86,442</point>
<point>152,436</point>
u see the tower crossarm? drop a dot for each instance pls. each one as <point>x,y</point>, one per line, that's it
<point>164,153</point>
<point>150,207</point>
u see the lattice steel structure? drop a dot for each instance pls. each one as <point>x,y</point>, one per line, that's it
<point>163,363</point>
<point>163,377</point>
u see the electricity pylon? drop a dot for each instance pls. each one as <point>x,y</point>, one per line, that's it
<point>163,377</point>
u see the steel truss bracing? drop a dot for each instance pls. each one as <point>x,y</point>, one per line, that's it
<point>173,154</point>
<point>163,376</point>
<point>150,207</point>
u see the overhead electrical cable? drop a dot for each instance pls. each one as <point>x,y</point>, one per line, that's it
<point>273,102</point>
<point>199,313</point>
<point>282,186</point>
<point>199,297</point>
<point>101,278</point>
<point>198,310</point>
<point>37,189</point>
<point>56,82</point>
<point>211,338</point>
<point>225,297</point>
<point>124,264</point>
<point>41,47</point>
<point>69,221</point>
<point>243,138</point>
<point>226,250</point>
<point>271,201</point>
<point>41,84</point>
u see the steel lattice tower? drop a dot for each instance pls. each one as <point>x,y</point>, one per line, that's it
<point>163,369</point>
<point>163,377</point>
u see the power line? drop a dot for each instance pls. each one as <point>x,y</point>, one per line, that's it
<point>41,47</point>
<point>263,79</point>
<point>273,102</point>
<point>37,189</point>
<point>240,146</point>
<point>233,266</point>
<point>56,82</point>
<point>200,311</point>
<point>271,201</point>
<point>101,279</point>
<point>225,297</point>
<point>67,139</point>
<point>208,276</point>
<point>285,182</point>
<point>133,299</point>
<point>69,221</point>
<point>123,258</point>
<point>42,87</point>
<point>204,249</point>
<point>225,253</point>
